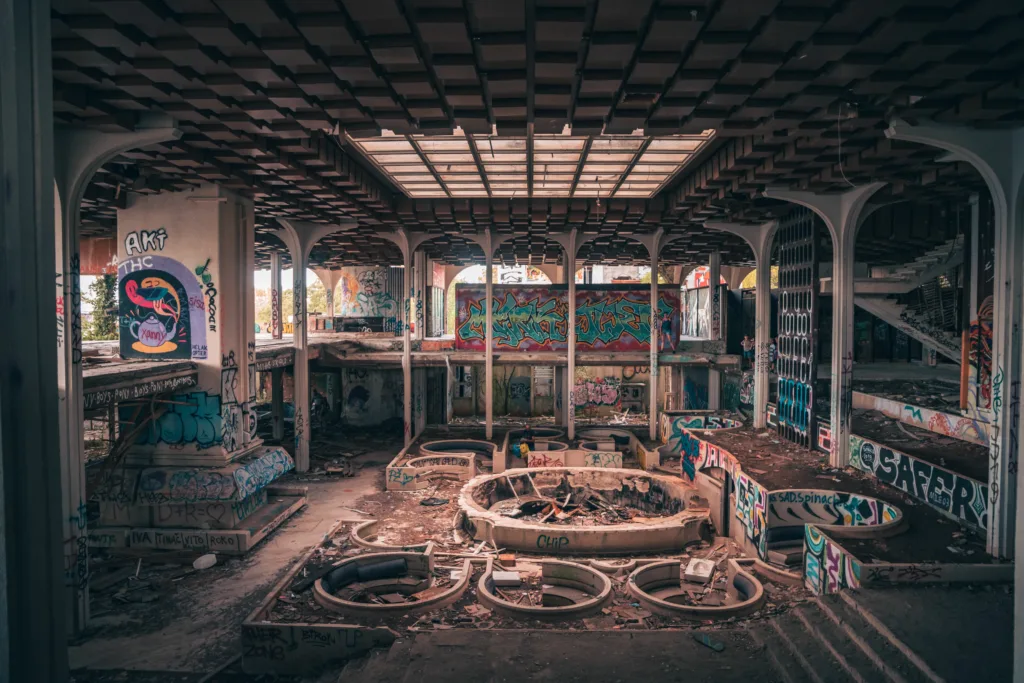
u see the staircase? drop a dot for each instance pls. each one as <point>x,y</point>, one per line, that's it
<point>920,299</point>
<point>834,640</point>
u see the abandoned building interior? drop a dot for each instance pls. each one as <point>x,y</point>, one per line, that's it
<point>511,340</point>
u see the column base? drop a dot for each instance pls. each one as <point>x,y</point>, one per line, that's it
<point>226,509</point>
<point>194,459</point>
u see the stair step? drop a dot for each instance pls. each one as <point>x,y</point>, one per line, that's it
<point>373,667</point>
<point>814,662</point>
<point>786,666</point>
<point>830,638</point>
<point>892,664</point>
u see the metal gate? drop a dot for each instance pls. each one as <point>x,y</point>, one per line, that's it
<point>797,362</point>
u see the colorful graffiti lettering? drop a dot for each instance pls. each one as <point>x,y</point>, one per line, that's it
<point>158,314</point>
<point>602,459</point>
<point>191,419</point>
<point>747,389</point>
<point>828,568</point>
<point>829,508</point>
<point>962,498</point>
<point>600,391</point>
<point>545,459</point>
<point>529,318</point>
<point>751,510</point>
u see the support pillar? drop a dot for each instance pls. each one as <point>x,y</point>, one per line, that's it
<point>715,327</point>
<point>761,240</point>
<point>275,296</point>
<point>419,387</point>
<point>998,155</point>
<point>652,410</point>
<point>419,287</point>
<point>78,153</point>
<point>277,403</point>
<point>407,346</point>
<point>842,213</point>
<point>300,238</point>
<point>570,244</point>
<point>35,596</point>
<point>452,381</point>
<point>329,279</point>
<point>489,342</point>
<point>559,395</point>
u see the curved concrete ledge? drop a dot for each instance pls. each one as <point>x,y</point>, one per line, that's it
<point>445,447</point>
<point>572,575</point>
<point>698,419</point>
<point>539,433</point>
<point>664,577</point>
<point>364,534</point>
<point>641,490</point>
<point>843,514</point>
<point>420,567</point>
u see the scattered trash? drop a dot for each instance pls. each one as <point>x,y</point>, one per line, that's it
<point>707,641</point>
<point>434,502</point>
<point>205,561</point>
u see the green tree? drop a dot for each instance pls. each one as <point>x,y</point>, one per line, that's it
<point>316,296</point>
<point>102,297</point>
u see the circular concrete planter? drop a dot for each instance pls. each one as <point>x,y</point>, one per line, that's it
<point>579,578</point>
<point>420,567</point>
<point>539,433</point>
<point>657,585</point>
<point>364,535</point>
<point>483,449</point>
<point>640,490</point>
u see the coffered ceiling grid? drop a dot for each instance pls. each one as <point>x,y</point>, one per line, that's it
<point>258,86</point>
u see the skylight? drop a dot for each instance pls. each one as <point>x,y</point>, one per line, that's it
<point>463,166</point>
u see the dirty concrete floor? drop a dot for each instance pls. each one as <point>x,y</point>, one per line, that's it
<point>205,610</point>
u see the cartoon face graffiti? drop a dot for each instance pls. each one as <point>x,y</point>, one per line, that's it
<point>161,310</point>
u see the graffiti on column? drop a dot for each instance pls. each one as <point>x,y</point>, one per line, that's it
<point>204,274</point>
<point>142,241</point>
<point>275,312</point>
<point>798,326</point>
<point>75,289</point>
<point>529,318</point>
<point>161,310</point>
<point>716,311</point>
<point>231,411</point>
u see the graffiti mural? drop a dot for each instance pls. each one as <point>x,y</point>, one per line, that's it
<point>980,358</point>
<point>828,508</point>
<point>747,389</point>
<point>600,391</point>
<point>161,310</point>
<point>974,430</point>
<point>364,294</point>
<point>752,511</point>
<point>828,568</point>
<point>192,419</point>
<point>962,498</point>
<point>535,318</point>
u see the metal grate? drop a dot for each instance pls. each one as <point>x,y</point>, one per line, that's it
<point>797,327</point>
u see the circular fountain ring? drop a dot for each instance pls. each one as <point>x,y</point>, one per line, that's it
<point>445,447</point>
<point>657,585</point>
<point>419,567</point>
<point>579,579</point>
<point>621,437</point>
<point>667,534</point>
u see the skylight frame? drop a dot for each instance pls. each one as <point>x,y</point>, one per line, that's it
<point>549,165</point>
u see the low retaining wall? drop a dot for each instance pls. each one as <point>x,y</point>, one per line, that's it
<point>968,429</point>
<point>830,568</point>
<point>956,496</point>
<point>418,464</point>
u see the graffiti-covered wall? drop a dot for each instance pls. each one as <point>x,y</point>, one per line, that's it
<point>371,292</point>
<point>370,397</point>
<point>954,495</point>
<point>534,318</point>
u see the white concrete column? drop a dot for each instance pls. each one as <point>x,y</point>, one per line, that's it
<point>652,410</point>
<point>300,237</point>
<point>33,450</point>
<point>842,213</point>
<point>570,245</point>
<point>329,279</point>
<point>407,379</point>
<point>275,297</point>
<point>77,154</point>
<point>452,381</point>
<point>998,155</point>
<point>489,342</point>
<point>418,305</point>
<point>715,325</point>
